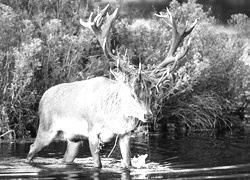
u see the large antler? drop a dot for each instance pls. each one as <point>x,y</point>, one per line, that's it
<point>100,26</point>
<point>163,70</point>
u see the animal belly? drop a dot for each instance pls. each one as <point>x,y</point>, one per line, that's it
<point>72,129</point>
<point>106,136</point>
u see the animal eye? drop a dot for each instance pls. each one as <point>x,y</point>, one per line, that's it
<point>133,96</point>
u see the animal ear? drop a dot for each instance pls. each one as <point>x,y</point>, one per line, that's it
<point>114,74</point>
<point>139,76</point>
<point>119,76</point>
<point>137,80</point>
<point>137,84</point>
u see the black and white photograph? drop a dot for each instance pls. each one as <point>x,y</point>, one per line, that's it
<point>125,89</point>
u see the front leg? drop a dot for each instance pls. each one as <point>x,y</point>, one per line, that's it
<point>71,152</point>
<point>124,143</point>
<point>95,151</point>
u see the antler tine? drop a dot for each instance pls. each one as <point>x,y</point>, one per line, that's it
<point>139,70</point>
<point>163,70</point>
<point>97,20</point>
<point>105,32</point>
<point>88,24</point>
<point>192,26</point>
<point>168,18</point>
<point>100,26</point>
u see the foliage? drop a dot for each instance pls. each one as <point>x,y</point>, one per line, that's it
<point>212,82</point>
<point>214,73</point>
<point>42,44</point>
<point>10,41</point>
<point>34,58</point>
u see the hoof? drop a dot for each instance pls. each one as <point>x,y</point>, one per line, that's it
<point>98,166</point>
<point>28,160</point>
<point>68,162</point>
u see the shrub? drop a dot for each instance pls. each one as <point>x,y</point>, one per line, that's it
<point>42,45</point>
<point>18,63</point>
<point>210,84</point>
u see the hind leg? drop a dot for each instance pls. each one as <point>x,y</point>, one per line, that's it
<point>72,151</point>
<point>43,139</point>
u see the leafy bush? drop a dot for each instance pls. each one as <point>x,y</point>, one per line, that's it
<point>209,86</point>
<point>42,44</point>
<point>218,86</point>
<point>18,63</point>
<point>34,58</point>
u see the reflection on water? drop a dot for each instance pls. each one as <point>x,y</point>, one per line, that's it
<point>196,156</point>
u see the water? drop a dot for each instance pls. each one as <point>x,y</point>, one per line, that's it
<point>196,156</point>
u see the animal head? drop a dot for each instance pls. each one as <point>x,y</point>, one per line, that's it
<point>136,94</point>
<point>161,75</point>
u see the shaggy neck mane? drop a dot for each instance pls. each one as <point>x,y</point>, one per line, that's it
<point>114,105</point>
<point>112,99</point>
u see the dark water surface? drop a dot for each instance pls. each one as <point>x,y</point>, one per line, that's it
<point>196,156</point>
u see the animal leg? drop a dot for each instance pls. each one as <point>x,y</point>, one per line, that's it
<point>124,143</point>
<point>43,139</point>
<point>94,148</point>
<point>72,151</point>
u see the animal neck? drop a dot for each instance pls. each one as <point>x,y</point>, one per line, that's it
<point>119,101</point>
